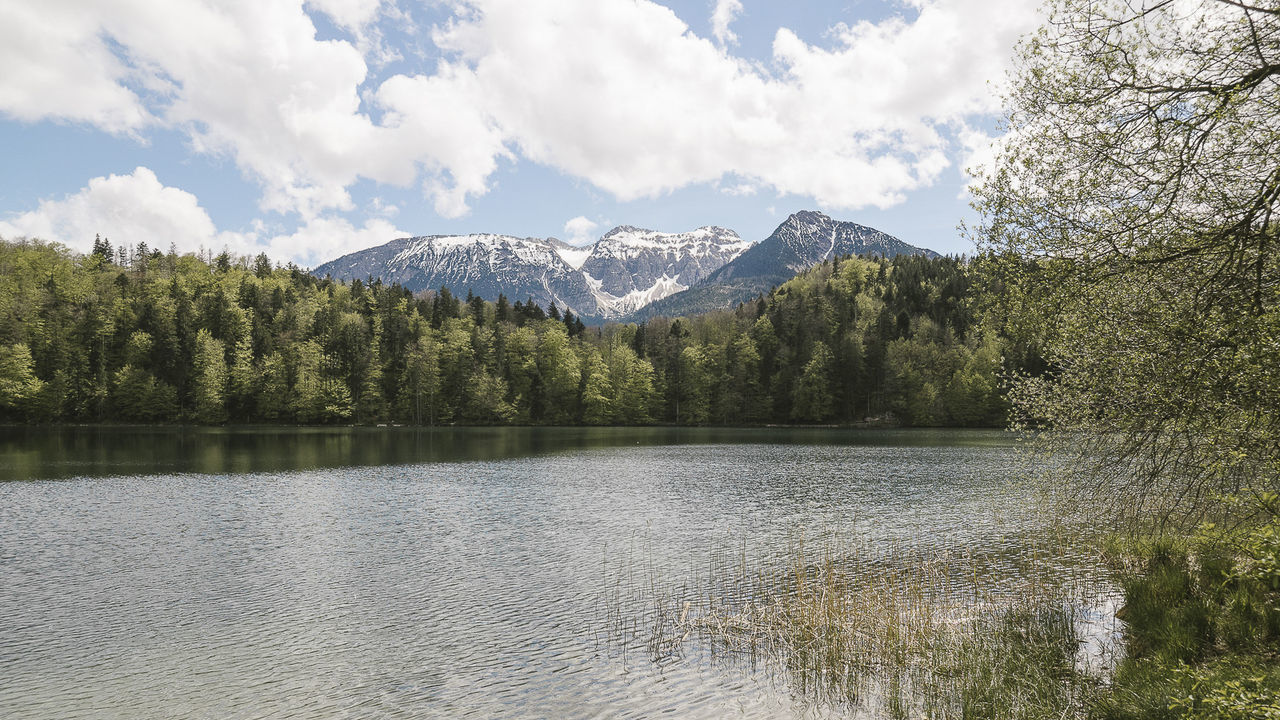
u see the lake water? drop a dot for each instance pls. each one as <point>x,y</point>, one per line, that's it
<point>450,573</point>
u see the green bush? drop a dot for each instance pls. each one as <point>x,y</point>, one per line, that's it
<point>1203,631</point>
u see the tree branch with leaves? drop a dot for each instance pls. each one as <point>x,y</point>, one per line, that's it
<point>1133,206</point>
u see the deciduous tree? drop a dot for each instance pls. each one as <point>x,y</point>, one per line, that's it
<point>1141,177</point>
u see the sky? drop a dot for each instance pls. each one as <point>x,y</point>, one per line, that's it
<point>308,130</point>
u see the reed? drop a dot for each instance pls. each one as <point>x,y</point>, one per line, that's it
<point>891,631</point>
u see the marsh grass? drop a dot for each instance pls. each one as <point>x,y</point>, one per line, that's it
<point>1203,628</point>
<point>889,631</point>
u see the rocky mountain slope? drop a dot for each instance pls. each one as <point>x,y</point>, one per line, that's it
<point>629,273</point>
<point>623,271</point>
<point>804,239</point>
<point>629,267</point>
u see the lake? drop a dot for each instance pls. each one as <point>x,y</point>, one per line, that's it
<point>392,572</point>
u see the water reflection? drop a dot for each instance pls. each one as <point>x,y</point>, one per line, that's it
<point>441,574</point>
<point>59,452</point>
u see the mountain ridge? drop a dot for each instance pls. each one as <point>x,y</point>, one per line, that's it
<point>803,240</point>
<point>628,274</point>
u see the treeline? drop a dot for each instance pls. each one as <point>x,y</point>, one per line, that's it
<point>147,336</point>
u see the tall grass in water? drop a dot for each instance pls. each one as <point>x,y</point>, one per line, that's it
<point>895,632</point>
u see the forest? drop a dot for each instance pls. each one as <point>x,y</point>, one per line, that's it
<point>136,335</point>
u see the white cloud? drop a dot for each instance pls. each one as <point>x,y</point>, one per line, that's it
<point>617,92</point>
<point>722,16</point>
<point>326,238</point>
<point>127,209</point>
<point>379,207</point>
<point>134,208</point>
<point>980,151</point>
<point>56,67</point>
<point>740,190</point>
<point>581,230</point>
<point>351,14</point>
<point>441,121</point>
<point>246,79</point>
<point>639,106</point>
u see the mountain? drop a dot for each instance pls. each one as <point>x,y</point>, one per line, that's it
<point>481,264</point>
<point>629,267</point>
<point>628,274</point>
<point>804,239</point>
<point>623,271</point>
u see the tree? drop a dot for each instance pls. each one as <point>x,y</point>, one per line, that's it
<point>18,382</point>
<point>632,380</point>
<point>558,371</point>
<point>306,384</point>
<point>1142,178</point>
<point>597,391</point>
<point>741,398</point>
<point>420,383</point>
<point>273,401</point>
<point>503,311</point>
<point>137,395</point>
<point>487,398</point>
<point>813,401</point>
<point>102,248</point>
<point>456,360</point>
<point>692,382</point>
<point>210,379</point>
<point>335,400</point>
<point>369,402</point>
<point>243,381</point>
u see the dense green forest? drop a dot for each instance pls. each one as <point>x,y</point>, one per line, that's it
<point>140,335</point>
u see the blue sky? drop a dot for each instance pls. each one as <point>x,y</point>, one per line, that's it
<point>308,130</point>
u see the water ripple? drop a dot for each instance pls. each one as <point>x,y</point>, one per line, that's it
<point>437,590</point>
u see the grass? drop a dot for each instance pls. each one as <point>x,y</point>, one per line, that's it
<point>1203,631</point>
<point>896,632</point>
<point>891,632</point>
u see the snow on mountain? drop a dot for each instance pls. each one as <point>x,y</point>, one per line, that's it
<point>483,264</point>
<point>630,264</point>
<point>623,271</point>
<point>573,255</point>
<point>628,273</point>
<point>635,299</point>
<point>801,241</point>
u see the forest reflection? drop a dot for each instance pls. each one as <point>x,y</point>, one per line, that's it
<point>63,452</point>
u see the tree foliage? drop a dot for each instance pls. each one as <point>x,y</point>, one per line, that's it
<point>168,338</point>
<point>1133,213</point>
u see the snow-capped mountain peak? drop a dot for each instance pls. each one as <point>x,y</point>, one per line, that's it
<point>496,250</point>
<point>627,236</point>
<point>627,269</point>
<point>631,262</point>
